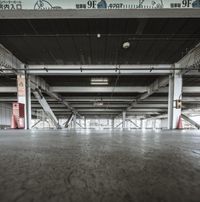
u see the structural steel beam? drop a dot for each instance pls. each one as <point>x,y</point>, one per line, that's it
<point>81,89</point>
<point>43,86</point>
<point>77,70</point>
<point>110,110</point>
<point>98,13</point>
<point>9,89</point>
<point>186,89</point>
<point>190,61</point>
<point>79,99</point>
<point>46,107</point>
<point>141,105</point>
<point>133,123</point>
<point>186,118</point>
<point>67,123</point>
<point>86,89</point>
<point>115,100</point>
<point>54,105</point>
<point>154,87</point>
<point>95,113</point>
<point>102,89</point>
<point>9,61</point>
<point>189,110</point>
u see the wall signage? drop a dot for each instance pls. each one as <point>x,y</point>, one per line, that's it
<point>96,4</point>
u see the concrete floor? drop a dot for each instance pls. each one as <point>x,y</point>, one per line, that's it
<point>99,166</point>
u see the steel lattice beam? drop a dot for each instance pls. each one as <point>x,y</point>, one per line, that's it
<point>190,61</point>
<point>9,61</point>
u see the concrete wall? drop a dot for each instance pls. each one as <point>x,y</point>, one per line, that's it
<point>5,115</point>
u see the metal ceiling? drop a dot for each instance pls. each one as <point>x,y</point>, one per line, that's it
<point>75,41</point>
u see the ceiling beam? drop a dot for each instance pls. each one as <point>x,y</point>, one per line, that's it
<point>190,61</point>
<point>194,109</point>
<point>99,13</point>
<point>154,87</point>
<point>186,89</point>
<point>99,89</point>
<point>113,105</point>
<point>110,113</point>
<point>8,61</point>
<point>108,110</point>
<point>87,89</point>
<point>81,70</point>
<point>118,100</point>
<point>90,105</point>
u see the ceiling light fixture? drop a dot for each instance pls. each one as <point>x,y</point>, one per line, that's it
<point>98,35</point>
<point>99,81</point>
<point>98,104</point>
<point>126,45</point>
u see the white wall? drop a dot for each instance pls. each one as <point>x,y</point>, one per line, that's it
<point>5,114</point>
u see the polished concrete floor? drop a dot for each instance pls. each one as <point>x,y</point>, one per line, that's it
<point>99,166</point>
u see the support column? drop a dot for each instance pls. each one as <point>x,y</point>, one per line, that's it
<point>68,122</point>
<point>24,97</point>
<point>74,121</point>
<point>28,104</point>
<point>175,93</point>
<point>112,123</point>
<point>123,120</point>
<point>28,123</point>
<point>170,102</point>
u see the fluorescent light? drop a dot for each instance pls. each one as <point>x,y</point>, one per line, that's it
<point>98,104</point>
<point>99,81</point>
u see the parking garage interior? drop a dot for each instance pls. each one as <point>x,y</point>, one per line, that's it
<point>110,105</point>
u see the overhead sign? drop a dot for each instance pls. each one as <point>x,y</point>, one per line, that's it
<point>96,4</point>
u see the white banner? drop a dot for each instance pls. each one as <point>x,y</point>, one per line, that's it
<point>21,88</point>
<point>97,4</point>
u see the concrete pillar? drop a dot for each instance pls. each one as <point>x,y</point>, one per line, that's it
<point>175,93</point>
<point>170,102</point>
<point>24,97</point>
<point>28,104</point>
<point>123,120</point>
<point>74,121</point>
<point>112,123</point>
